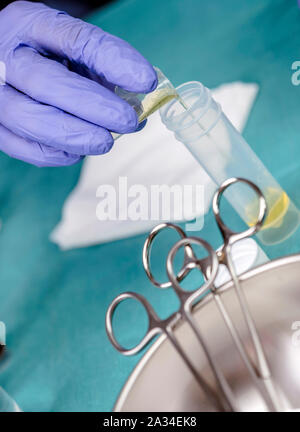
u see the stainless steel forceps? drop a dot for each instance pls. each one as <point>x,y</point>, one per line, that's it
<point>259,371</point>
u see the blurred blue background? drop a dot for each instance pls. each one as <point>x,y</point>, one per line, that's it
<point>53,303</point>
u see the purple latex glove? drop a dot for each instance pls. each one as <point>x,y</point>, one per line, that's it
<point>57,104</point>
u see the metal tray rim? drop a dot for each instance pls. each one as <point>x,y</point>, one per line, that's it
<point>279,262</point>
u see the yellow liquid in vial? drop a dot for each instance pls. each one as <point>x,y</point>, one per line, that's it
<point>278,203</point>
<point>282,219</point>
<point>155,100</point>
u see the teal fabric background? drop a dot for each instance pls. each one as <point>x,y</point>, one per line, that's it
<point>54,302</point>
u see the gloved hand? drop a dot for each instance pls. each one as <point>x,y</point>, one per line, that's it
<point>58,103</point>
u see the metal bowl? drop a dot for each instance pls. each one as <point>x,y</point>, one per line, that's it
<point>162,382</point>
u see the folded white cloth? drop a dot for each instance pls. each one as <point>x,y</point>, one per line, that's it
<point>152,156</point>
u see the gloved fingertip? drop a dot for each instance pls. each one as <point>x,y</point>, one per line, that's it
<point>104,146</point>
<point>68,160</point>
<point>106,149</point>
<point>154,81</point>
<point>74,160</point>
<point>50,164</point>
<point>127,119</point>
<point>141,126</point>
<point>146,81</point>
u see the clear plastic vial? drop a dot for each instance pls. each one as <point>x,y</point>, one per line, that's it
<point>146,104</point>
<point>198,121</point>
